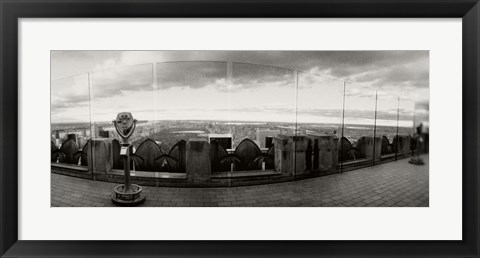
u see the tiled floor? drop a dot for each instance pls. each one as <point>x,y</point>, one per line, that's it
<point>390,184</point>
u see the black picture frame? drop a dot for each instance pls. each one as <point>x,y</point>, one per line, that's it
<point>11,11</point>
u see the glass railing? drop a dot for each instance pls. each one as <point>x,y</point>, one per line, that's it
<point>386,123</point>
<point>358,134</point>
<point>191,101</point>
<point>319,118</point>
<point>406,126</point>
<point>261,105</point>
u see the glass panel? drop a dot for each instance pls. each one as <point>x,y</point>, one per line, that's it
<point>115,90</point>
<point>357,143</point>
<point>386,123</point>
<point>261,104</point>
<point>406,127</point>
<point>70,120</point>
<point>319,118</point>
<point>319,106</point>
<point>191,102</point>
<point>406,117</point>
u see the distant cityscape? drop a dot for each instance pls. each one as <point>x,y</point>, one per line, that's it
<point>229,134</point>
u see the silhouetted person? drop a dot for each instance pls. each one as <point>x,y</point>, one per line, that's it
<point>418,140</point>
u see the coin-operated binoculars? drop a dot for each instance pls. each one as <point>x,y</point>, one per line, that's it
<point>127,194</point>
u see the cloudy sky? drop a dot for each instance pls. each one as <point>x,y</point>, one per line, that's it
<point>240,85</point>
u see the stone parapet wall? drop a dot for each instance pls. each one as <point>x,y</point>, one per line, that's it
<point>324,151</point>
<point>370,147</point>
<point>198,161</point>
<point>291,156</point>
<point>102,159</point>
<point>404,144</point>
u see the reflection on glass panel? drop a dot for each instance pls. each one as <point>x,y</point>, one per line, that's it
<point>406,117</point>
<point>191,102</point>
<point>70,119</point>
<point>261,106</point>
<point>121,89</point>
<point>358,124</point>
<point>386,123</point>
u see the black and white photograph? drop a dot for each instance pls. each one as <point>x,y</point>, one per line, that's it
<point>218,128</point>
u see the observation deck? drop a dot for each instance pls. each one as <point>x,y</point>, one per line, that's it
<point>391,184</point>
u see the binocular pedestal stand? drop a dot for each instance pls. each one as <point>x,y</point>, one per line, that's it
<point>127,194</point>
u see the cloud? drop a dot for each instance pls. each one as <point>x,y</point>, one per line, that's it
<point>201,74</point>
<point>248,76</point>
<point>118,81</point>
<point>117,73</point>
<point>69,92</point>
<point>191,74</point>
